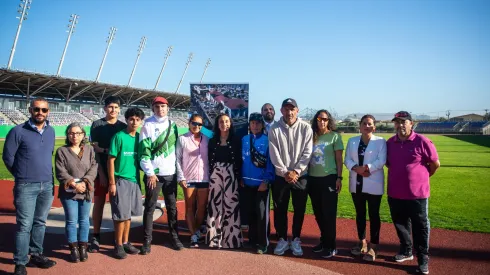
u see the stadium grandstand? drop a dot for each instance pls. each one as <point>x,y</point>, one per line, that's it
<point>75,99</point>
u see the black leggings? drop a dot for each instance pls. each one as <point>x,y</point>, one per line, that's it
<point>373,202</point>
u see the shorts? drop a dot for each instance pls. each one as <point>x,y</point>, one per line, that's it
<point>128,200</point>
<point>198,185</point>
<point>99,190</point>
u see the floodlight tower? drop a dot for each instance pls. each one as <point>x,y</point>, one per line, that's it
<point>205,69</point>
<point>73,22</point>
<point>112,34</point>
<point>23,7</point>
<point>169,52</point>
<point>189,60</point>
<point>140,50</point>
<point>448,113</point>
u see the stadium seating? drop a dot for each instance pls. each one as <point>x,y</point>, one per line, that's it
<point>436,127</point>
<point>14,117</point>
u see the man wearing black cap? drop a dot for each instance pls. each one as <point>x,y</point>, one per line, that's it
<point>290,147</point>
<point>411,160</point>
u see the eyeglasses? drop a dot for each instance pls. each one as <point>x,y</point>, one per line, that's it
<point>193,123</point>
<point>37,109</point>
<point>75,134</point>
<point>324,119</point>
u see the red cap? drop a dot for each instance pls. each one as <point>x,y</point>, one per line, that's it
<point>160,100</point>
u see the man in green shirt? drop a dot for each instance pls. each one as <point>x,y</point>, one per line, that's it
<point>124,188</point>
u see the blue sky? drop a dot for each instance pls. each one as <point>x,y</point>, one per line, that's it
<point>350,56</point>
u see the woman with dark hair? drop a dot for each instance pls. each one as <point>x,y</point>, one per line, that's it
<point>193,175</point>
<point>325,179</point>
<point>225,161</point>
<point>76,169</point>
<point>365,157</point>
<point>257,175</point>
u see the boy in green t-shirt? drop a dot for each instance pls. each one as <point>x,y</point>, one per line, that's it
<point>124,188</point>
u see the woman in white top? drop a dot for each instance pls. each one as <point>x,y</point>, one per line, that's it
<point>365,157</point>
<point>193,175</point>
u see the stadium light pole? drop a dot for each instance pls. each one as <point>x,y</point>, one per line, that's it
<point>73,22</point>
<point>112,34</point>
<point>205,69</point>
<point>23,7</point>
<point>140,50</point>
<point>189,60</point>
<point>169,52</point>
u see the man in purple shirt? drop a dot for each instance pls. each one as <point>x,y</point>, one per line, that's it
<point>411,160</point>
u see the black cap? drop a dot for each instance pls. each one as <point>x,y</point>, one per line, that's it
<point>256,117</point>
<point>289,101</point>
<point>403,115</point>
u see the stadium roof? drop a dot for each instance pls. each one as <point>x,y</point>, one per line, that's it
<point>25,85</point>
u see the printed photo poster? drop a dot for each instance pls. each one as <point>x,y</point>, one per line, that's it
<point>209,100</point>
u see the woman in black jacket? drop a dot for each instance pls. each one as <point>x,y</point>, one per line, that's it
<point>225,161</point>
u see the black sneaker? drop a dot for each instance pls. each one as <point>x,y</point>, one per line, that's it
<point>262,250</point>
<point>94,245</point>
<point>40,261</point>
<point>146,248</point>
<point>329,253</point>
<point>177,244</point>
<point>119,252</point>
<point>194,241</point>
<point>318,248</point>
<point>423,265</point>
<point>130,249</point>
<point>400,258</point>
<point>20,270</point>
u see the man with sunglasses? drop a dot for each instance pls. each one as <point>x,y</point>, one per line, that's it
<point>411,160</point>
<point>27,155</point>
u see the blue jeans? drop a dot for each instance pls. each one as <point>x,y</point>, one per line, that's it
<point>76,213</point>
<point>32,202</point>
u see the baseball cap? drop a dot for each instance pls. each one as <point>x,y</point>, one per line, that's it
<point>256,117</point>
<point>289,101</point>
<point>160,100</point>
<point>403,115</point>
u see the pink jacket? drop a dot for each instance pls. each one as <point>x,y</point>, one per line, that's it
<point>192,159</point>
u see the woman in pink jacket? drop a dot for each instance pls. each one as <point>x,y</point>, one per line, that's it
<point>193,175</point>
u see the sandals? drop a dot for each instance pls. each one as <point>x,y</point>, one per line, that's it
<point>370,256</point>
<point>359,249</point>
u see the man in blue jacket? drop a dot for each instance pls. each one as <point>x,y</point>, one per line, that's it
<point>27,155</point>
<point>257,173</point>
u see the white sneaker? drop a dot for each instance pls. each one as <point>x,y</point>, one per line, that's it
<point>281,247</point>
<point>296,247</point>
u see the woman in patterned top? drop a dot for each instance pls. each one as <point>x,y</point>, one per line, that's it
<point>365,157</point>
<point>325,179</point>
<point>76,169</point>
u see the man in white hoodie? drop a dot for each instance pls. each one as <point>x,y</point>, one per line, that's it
<point>290,147</point>
<point>158,139</point>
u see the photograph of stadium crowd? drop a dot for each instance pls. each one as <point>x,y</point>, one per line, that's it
<point>209,100</point>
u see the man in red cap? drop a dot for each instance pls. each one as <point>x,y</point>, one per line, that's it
<point>158,138</point>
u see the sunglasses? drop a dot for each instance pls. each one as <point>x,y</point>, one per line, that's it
<point>37,109</point>
<point>324,119</point>
<point>75,134</point>
<point>193,123</point>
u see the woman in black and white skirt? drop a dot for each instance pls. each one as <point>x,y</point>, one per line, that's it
<point>225,160</point>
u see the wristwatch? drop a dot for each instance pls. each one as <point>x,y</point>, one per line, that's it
<point>340,178</point>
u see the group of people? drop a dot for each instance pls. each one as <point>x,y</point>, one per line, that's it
<point>286,158</point>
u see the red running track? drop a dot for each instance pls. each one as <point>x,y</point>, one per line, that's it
<point>452,252</point>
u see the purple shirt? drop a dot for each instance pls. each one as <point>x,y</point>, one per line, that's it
<point>408,169</point>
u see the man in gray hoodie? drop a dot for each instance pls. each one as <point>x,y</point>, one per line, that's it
<point>290,146</point>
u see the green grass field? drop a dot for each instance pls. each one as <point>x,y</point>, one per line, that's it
<point>460,193</point>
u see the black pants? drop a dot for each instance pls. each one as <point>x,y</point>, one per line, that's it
<point>257,204</point>
<point>373,202</point>
<point>324,198</point>
<point>411,215</point>
<point>281,192</point>
<point>168,185</point>
<point>244,211</point>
